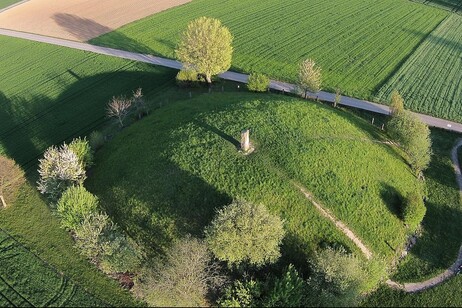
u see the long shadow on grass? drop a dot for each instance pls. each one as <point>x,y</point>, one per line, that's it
<point>392,198</point>
<point>30,124</point>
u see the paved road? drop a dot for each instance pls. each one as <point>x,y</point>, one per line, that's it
<point>276,85</point>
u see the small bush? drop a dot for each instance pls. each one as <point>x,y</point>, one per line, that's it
<point>258,82</point>
<point>59,169</point>
<point>187,78</point>
<point>120,254</point>
<point>82,149</point>
<point>413,210</point>
<point>96,140</point>
<point>89,236</point>
<point>75,204</point>
<point>11,179</point>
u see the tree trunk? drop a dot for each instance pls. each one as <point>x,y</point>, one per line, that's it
<point>208,78</point>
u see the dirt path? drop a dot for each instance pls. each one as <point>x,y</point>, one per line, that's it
<point>339,224</point>
<point>420,286</point>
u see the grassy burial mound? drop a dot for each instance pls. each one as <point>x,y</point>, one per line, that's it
<point>359,43</point>
<point>165,176</point>
<point>431,79</point>
<point>45,102</point>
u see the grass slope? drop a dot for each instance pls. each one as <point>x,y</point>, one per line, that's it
<point>165,176</point>
<point>31,223</point>
<point>431,79</point>
<point>54,94</point>
<point>358,43</point>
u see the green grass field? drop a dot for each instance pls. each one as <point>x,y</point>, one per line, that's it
<point>164,176</point>
<point>6,3</point>
<point>358,43</point>
<point>54,94</point>
<point>431,79</point>
<point>25,280</point>
<point>454,6</point>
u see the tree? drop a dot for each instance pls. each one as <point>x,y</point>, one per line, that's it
<point>58,169</point>
<point>184,279</point>
<point>338,279</point>
<point>11,180</point>
<point>309,77</point>
<point>82,149</point>
<point>141,109</point>
<point>414,137</point>
<point>75,204</point>
<point>119,108</point>
<point>338,97</point>
<point>205,47</point>
<point>413,210</point>
<point>258,82</point>
<point>396,103</point>
<point>244,232</point>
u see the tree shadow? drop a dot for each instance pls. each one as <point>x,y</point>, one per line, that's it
<point>392,198</point>
<point>30,124</point>
<point>450,5</point>
<point>81,28</point>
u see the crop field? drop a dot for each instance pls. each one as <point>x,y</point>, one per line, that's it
<point>6,3</point>
<point>53,94</point>
<point>194,168</point>
<point>450,5</point>
<point>26,281</point>
<point>358,43</point>
<point>431,79</point>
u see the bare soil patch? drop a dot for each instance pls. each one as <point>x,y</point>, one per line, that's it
<point>79,20</point>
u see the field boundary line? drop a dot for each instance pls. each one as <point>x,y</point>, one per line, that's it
<point>412,287</point>
<point>338,223</point>
<point>13,5</point>
<point>229,75</point>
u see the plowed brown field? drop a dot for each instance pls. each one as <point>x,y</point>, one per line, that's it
<point>79,20</point>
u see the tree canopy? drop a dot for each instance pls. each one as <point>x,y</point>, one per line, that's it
<point>205,47</point>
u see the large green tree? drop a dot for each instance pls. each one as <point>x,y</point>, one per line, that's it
<point>414,137</point>
<point>245,232</point>
<point>205,47</point>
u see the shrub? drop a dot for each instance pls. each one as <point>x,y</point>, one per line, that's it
<point>184,279</point>
<point>338,279</point>
<point>89,236</point>
<point>119,108</point>
<point>59,169</point>
<point>96,140</point>
<point>414,136</point>
<point>141,109</point>
<point>413,210</point>
<point>242,294</point>
<point>187,78</point>
<point>75,204</point>
<point>82,149</point>
<point>258,82</point>
<point>244,232</point>
<point>396,103</point>
<point>11,179</point>
<point>120,254</point>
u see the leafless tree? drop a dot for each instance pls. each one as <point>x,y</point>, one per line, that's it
<point>119,108</point>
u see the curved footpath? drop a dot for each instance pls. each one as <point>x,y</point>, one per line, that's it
<point>420,286</point>
<point>276,85</point>
<point>285,87</point>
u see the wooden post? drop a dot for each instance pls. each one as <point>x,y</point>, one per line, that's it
<point>245,140</point>
<point>373,121</point>
<point>383,126</point>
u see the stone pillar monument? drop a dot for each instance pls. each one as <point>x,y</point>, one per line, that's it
<point>245,140</point>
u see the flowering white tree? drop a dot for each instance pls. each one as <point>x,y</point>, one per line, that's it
<point>59,168</point>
